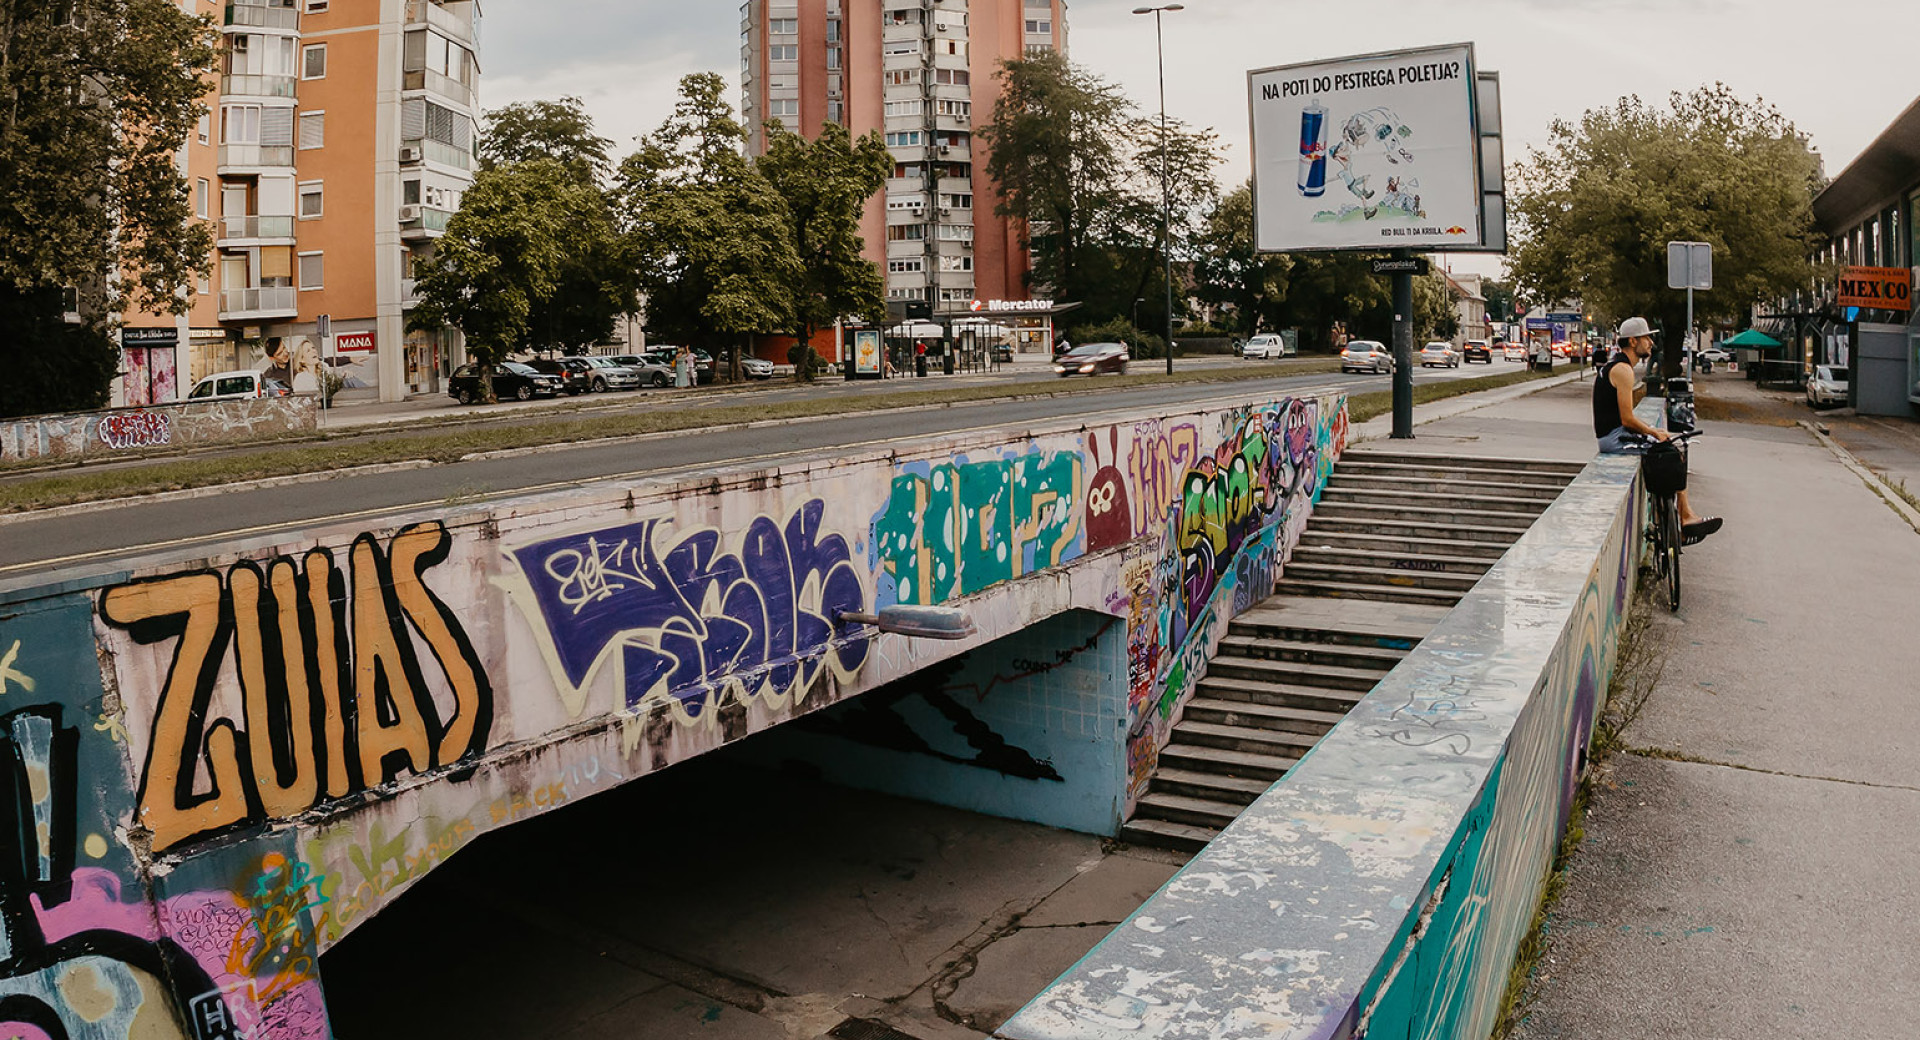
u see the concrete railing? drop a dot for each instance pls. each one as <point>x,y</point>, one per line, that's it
<point>117,431</point>
<point>1383,887</point>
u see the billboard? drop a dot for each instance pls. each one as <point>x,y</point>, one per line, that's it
<point>1375,152</point>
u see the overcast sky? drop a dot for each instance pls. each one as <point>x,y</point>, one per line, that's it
<point>1841,70</point>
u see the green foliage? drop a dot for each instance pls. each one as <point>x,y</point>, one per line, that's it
<point>1229,274</point>
<point>1142,345</point>
<point>1596,207</point>
<point>52,365</point>
<point>506,252</point>
<point>709,235</point>
<point>1500,300</point>
<point>1435,316</point>
<point>558,130</point>
<point>826,183</point>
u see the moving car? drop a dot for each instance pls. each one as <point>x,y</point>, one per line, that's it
<point>756,368</point>
<point>511,380</point>
<point>1477,350</point>
<point>1367,354</point>
<point>1514,352</point>
<point>651,372</point>
<point>1265,345</point>
<point>1439,355</point>
<point>1091,359</point>
<point>1827,386</point>
<point>240,383</point>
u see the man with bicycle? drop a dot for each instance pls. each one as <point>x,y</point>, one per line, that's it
<point>1621,432</point>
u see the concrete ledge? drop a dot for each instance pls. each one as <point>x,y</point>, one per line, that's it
<point>1384,886</point>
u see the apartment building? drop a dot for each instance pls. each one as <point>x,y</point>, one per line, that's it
<point>923,73</point>
<point>338,141</point>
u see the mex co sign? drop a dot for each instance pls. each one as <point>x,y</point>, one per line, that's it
<point>1877,288</point>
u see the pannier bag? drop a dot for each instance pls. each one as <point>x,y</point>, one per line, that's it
<point>1665,466</point>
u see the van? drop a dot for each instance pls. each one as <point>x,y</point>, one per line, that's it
<point>241,383</point>
<point>1266,345</point>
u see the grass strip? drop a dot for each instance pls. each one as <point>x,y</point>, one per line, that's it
<point>362,447</point>
<point>1361,407</point>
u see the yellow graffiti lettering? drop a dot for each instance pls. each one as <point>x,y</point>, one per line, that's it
<point>10,674</point>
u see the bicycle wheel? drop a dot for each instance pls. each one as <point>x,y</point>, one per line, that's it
<point>1670,536</point>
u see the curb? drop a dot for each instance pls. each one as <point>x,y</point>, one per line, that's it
<point>1867,476</point>
<point>188,494</point>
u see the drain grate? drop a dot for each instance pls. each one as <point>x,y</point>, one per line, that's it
<point>866,1029</point>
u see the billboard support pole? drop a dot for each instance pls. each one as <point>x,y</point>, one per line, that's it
<point>1403,352</point>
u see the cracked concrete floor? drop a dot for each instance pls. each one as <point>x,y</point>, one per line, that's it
<point>716,900</point>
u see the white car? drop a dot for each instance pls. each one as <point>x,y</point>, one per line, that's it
<point>1514,352</point>
<point>1265,345</point>
<point>1714,355</point>
<point>1439,355</point>
<point>1827,385</point>
<point>222,386</point>
<point>1368,355</point>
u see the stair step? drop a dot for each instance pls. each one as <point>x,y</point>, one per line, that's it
<point>1180,808</point>
<point>1278,694</point>
<point>1406,458</point>
<point>1263,716</point>
<point>1502,520</point>
<point>1361,575</point>
<point>1245,764</point>
<point>1214,786</point>
<point>1399,561</point>
<point>1369,639</point>
<point>1415,471</point>
<point>1374,657</point>
<point>1382,593</point>
<point>1294,673</point>
<point>1389,545</point>
<point>1463,483</point>
<point>1161,834</point>
<point>1440,531</point>
<point>1250,739</point>
<point>1459,501</point>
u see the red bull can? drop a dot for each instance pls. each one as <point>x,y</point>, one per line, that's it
<point>1313,151</point>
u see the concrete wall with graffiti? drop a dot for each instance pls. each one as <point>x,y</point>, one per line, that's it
<point>179,424</point>
<point>1383,887</point>
<point>211,770</point>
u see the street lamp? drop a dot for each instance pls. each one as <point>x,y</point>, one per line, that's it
<point>1166,163</point>
<point>1137,301</point>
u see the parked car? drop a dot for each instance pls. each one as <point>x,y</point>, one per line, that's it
<point>575,376</point>
<point>1439,355</point>
<point>703,367</point>
<point>650,371</point>
<point>1091,359</point>
<point>756,368</point>
<point>1367,354</point>
<point>222,386</point>
<point>511,380</point>
<point>1714,356</point>
<point>1265,345</point>
<point>1476,350</point>
<point>1827,386</point>
<point>1514,352</point>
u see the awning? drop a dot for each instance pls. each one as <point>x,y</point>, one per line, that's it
<point>1753,339</point>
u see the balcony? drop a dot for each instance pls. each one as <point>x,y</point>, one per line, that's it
<point>418,222</point>
<point>273,301</point>
<point>256,86</point>
<point>409,292</point>
<point>260,16</point>
<point>434,83</point>
<point>460,27</point>
<point>255,230</point>
<point>241,158</point>
<point>439,152</point>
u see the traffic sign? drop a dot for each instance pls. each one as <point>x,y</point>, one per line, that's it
<point>1403,265</point>
<point>1689,265</point>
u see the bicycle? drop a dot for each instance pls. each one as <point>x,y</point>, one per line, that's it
<point>1663,524</point>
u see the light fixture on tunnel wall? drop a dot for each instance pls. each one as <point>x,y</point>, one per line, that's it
<point>916,622</point>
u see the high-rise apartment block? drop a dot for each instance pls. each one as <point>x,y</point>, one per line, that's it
<point>339,139</point>
<point>923,72</point>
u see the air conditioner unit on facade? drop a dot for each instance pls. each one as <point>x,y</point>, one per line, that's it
<point>409,214</point>
<point>410,154</point>
<point>945,149</point>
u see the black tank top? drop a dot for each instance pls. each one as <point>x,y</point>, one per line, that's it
<point>1606,398</point>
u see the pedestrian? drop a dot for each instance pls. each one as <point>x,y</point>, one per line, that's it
<point>683,368</point>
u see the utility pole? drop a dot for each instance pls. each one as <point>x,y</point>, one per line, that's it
<point>1403,347</point>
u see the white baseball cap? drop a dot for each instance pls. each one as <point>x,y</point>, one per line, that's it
<point>1633,328</point>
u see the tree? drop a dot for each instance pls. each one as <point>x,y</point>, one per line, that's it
<point>711,236</point>
<point>518,228</point>
<point>96,99</point>
<point>1597,206</point>
<point>1500,300</point>
<point>558,130</point>
<point>1229,274</point>
<point>826,183</point>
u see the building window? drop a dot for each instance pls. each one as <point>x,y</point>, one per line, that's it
<point>900,47</point>
<point>202,191</point>
<point>240,124</point>
<point>312,204</point>
<point>907,233</point>
<point>312,271</point>
<point>833,57</point>
<point>1037,27</point>
<point>788,107</point>
<point>204,127</point>
<point>903,139</point>
<point>313,62</point>
<point>783,26</point>
<point>837,112</point>
<point>913,266</point>
<point>955,77</point>
<point>900,17</point>
<point>904,108</point>
<point>204,285</point>
<point>313,130</point>
<point>953,264</point>
<point>905,171</point>
<point>410,193</point>
<point>913,292</point>
<point>956,232</point>
<point>783,52</point>
<point>902,77</point>
<point>957,201</point>
<point>316,6</point>
<point>833,31</point>
<point>904,202</point>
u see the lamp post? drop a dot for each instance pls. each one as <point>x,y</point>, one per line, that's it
<point>1137,301</point>
<point>1166,166</point>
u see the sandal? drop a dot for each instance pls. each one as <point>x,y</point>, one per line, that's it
<point>1692,533</point>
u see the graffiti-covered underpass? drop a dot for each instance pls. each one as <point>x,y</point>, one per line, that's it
<point>723,899</point>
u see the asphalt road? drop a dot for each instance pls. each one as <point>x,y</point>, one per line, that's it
<point>30,549</point>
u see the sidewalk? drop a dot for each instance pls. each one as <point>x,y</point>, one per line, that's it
<point>1747,869</point>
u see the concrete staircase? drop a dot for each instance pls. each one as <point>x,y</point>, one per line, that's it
<point>1396,541</point>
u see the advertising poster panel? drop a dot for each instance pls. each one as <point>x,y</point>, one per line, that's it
<point>866,352</point>
<point>1373,152</point>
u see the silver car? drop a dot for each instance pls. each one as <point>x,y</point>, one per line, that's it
<point>1368,355</point>
<point>605,374</point>
<point>651,372</point>
<point>1827,386</point>
<point>756,368</point>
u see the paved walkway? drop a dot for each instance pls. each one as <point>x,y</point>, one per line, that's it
<point>1748,868</point>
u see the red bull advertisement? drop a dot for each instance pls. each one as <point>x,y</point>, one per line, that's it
<point>1313,150</point>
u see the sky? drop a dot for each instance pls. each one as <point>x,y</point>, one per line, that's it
<point>1841,81</point>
